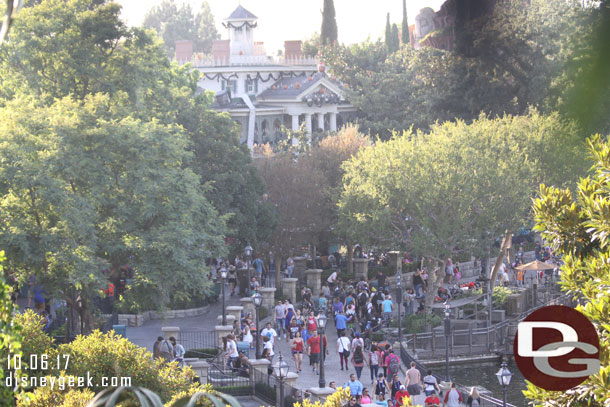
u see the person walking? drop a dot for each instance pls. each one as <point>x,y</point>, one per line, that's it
<point>343,349</point>
<point>430,384</point>
<point>474,399</point>
<point>270,333</point>
<point>247,336</point>
<point>412,380</point>
<point>296,347</point>
<point>280,318</point>
<point>231,351</point>
<point>400,396</point>
<point>453,398</point>
<point>374,357</point>
<point>393,364</point>
<point>381,387</point>
<point>432,400</point>
<point>355,387</point>
<point>166,350</point>
<point>358,361</point>
<point>340,323</point>
<point>395,385</point>
<point>313,351</point>
<point>156,348</point>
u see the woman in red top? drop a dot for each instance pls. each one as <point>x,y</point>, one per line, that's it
<point>312,324</point>
<point>297,350</point>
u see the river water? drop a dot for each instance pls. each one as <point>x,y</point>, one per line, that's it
<point>484,374</point>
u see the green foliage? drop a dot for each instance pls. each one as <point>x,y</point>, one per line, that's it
<point>404,26</point>
<point>416,323</point>
<point>577,227</point>
<point>36,342</point>
<point>328,32</point>
<point>174,22</point>
<point>311,46</point>
<point>201,353</point>
<point>500,295</point>
<point>388,33</point>
<point>193,390</point>
<point>10,339</point>
<point>438,194</point>
<point>45,396</point>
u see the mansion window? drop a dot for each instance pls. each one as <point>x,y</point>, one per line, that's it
<point>230,84</point>
<point>251,86</point>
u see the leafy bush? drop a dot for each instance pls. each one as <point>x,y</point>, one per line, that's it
<point>35,341</point>
<point>500,295</point>
<point>45,396</point>
<point>416,323</point>
<point>201,353</point>
<point>110,355</point>
<point>202,402</point>
<point>263,312</point>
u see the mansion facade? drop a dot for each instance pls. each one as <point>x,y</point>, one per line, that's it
<point>264,93</point>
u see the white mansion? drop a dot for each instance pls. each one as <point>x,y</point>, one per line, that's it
<point>263,93</point>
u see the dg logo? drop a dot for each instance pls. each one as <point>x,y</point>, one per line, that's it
<point>556,348</point>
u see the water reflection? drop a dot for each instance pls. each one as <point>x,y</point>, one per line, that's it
<point>484,374</point>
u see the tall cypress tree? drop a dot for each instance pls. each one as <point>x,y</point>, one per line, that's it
<point>388,33</point>
<point>405,24</point>
<point>395,39</point>
<point>328,32</point>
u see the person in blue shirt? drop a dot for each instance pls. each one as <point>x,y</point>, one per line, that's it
<point>340,323</point>
<point>387,308</point>
<point>259,266</point>
<point>355,387</point>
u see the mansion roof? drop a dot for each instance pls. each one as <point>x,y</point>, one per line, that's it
<point>241,13</point>
<point>291,87</point>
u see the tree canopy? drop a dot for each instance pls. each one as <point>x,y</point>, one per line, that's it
<point>328,32</point>
<point>174,22</point>
<point>576,226</point>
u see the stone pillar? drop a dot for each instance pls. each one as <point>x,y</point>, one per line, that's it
<point>333,121</point>
<point>308,125</point>
<point>268,297</point>
<point>314,280</point>
<point>321,121</point>
<point>201,370</point>
<point>289,380</point>
<point>222,331</point>
<point>289,289</point>
<point>230,319</point>
<point>248,306</point>
<point>395,260</point>
<point>361,268</point>
<point>320,394</point>
<point>168,331</point>
<point>235,310</point>
<point>257,365</point>
<point>300,265</point>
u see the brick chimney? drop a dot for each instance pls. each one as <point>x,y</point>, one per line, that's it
<point>184,51</point>
<point>292,49</point>
<point>221,50</point>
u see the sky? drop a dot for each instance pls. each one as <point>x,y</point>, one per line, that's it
<point>281,20</point>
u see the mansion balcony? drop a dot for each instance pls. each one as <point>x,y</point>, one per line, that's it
<point>199,60</point>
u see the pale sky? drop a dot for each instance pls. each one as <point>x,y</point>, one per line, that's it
<point>280,20</point>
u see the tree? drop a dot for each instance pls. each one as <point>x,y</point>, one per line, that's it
<point>576,226</point>
<point>174,22</point>
<point>404,34</point>
<point>328,32</point>
<point>311,46</point>
<point>388,33</point>
<point>395,39</point>
<point>436,194</point>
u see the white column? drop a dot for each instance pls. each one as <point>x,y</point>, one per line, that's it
<point>321,121</point>
<point>333,121</point>
<point>295,122</point>
<point>295,127</point>
<point>308,125</point>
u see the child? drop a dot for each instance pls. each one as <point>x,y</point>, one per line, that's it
<point>381,401</point>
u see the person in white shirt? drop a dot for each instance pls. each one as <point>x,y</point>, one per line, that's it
<point>332,279</point>
<point>267,344</point>
<point>231,351</point>
<point>270,333</point>
<point>178,351</point>
<point>343,349</point>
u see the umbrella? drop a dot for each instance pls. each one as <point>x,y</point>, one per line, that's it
<point>537,265</point>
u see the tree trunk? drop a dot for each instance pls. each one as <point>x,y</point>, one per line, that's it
<point>278,267</point>
<point>314,255</point>
<point>435,280</point>
<point>350,258</point>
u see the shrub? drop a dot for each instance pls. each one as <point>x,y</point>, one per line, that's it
<point>110,355</point>
<point>202,353</point>
<point>193,389</point>
<point>500,295</point>
<point>416,323</point>
<point>46,396</point>
<point>35,341</point>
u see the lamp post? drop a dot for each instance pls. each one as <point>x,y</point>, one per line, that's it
<point>248,255</point>
<point>504,375</point>
<point>223,278</point>
<point>399,285</point>
<point>447,333</point>
<point>280,369</point>
<point>257,299</point>
<point>322,324</point>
